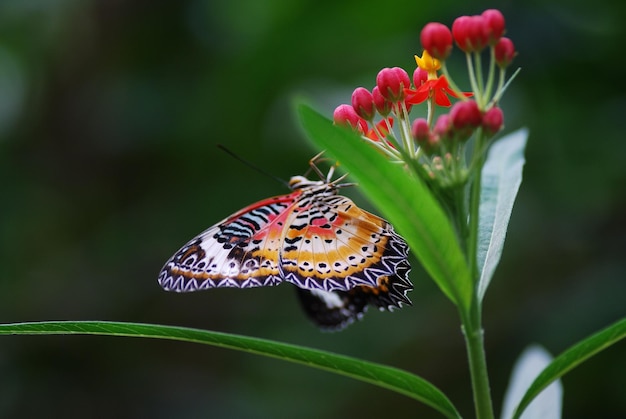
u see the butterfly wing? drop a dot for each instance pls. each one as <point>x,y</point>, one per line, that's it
<point>331,310</point>
<point>240,251</point>
<point>343,258</point>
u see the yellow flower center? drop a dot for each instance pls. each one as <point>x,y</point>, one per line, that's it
<point>428,63</point>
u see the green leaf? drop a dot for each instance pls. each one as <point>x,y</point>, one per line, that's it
<point>404,199</point>
<point>571,358</point>
<point>548,404</point>
<point>501,178</point>
<point>387,377</point>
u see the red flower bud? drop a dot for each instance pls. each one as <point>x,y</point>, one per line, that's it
<point>465,114</point>
<point>470,33</point>
<point>465,118</point>
<point>504,51</point>
<point>420,130</point>
<point>363,103</point>
<point>436,38</point>
<point>422,135</point>
<point>495,24</point>
<point>383,106</point>
<point>391,82</point>
<point>345,115</point>
<point>419,77</point>
<point>493,121</point>
<point>443,126</point>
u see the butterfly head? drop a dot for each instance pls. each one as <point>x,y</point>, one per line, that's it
<point>301,182</point>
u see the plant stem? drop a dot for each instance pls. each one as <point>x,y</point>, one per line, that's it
<point>474,342</point>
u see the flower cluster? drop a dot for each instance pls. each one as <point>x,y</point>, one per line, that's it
<point>438,141</point>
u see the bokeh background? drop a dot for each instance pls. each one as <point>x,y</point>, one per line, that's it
<point>110,112</point>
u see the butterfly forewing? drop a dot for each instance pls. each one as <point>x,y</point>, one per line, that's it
<point>240,251</point>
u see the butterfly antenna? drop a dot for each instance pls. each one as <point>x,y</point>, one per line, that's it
<point>338,185</point>
<point>252,166</point>
<point>313,166</point>
<point>329,177</point>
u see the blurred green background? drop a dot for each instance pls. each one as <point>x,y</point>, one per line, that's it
<point>110,112</point>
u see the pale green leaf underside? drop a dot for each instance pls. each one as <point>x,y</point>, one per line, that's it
<point>501,179</point>
<point>403,198</point>
<point>548,404</point>
<point>388,377</point>
<point>571,358</point>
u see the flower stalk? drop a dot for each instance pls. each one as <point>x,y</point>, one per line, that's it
<point>474,343</point>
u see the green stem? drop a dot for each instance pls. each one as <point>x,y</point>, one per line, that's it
<point>431,112</point>
<point>492,71</point>
<point>472,75</point>
<point>480,94</point>
<point>474,342</point>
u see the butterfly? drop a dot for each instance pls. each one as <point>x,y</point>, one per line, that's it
<point>340,258</point>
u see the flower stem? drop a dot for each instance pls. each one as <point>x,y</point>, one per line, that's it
<point>491,76</point>
<point>474,342</point>
<point>480,93</point>
<point>472,76</point>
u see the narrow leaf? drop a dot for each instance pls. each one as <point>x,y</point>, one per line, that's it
<point>501,177</point>
<point>571,358</point>
<point>548,403</point>
<point>403,198</point>
<point>387,377</point>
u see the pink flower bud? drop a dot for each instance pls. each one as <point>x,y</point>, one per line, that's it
<point>470,33</point>
<point>391,82</point>
<point>383,106</point>
<point>465,114</point>
<point>436,38</point>
<point>466,117</point>
<point>493,121</point>
<point>443,126</point>
<point>422,135</point>
<point>419,77</point>
<point>495,24</point>
<point>504,52</point>
<point>363,103</point>
<point>420,130</point>
<point>345,115</point>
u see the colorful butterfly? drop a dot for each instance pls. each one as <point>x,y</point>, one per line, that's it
<point>340,257</point>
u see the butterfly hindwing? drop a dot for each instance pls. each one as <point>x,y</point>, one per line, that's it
<point>331,310</point>
<point>334,310</point>
<point>334,245</point>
